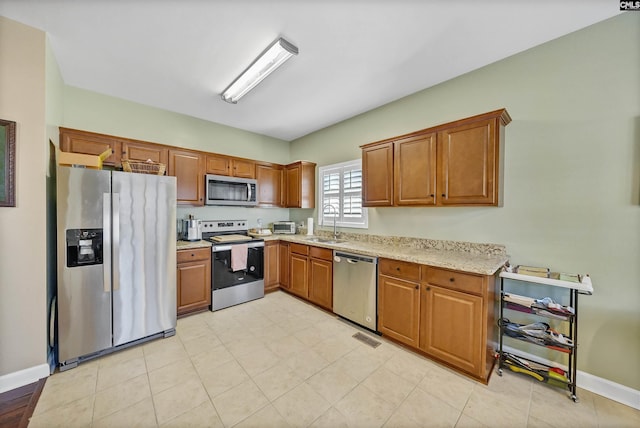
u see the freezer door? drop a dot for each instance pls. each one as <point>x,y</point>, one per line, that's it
<point>144,255</point>
<point>84,289</point>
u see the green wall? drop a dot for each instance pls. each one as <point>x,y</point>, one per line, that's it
<point>572,173</point>
<point>95,112</point>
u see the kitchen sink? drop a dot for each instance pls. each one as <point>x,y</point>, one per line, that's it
<point>325,240</point>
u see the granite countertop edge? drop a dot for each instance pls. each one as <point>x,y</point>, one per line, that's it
<point>190,245</point>
<point>482,264</point>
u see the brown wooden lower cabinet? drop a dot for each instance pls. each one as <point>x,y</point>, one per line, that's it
<point>271,265</point>
<point>284,265</point>
<point>193,280</point>
<point>310,272</point>
<point>399,309</point>
<point>446,314</point>
<point>451,327</point>
<point>321,277</point>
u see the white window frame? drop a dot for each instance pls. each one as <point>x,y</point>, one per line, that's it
<point>327,220</point>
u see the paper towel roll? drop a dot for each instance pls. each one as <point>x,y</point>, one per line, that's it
<point>310,226</point>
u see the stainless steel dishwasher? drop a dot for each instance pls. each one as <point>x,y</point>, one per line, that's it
<point>355,288</point>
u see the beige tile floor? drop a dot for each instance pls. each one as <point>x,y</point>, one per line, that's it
<point>279,362</point>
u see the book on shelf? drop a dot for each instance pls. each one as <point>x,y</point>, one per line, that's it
<point>571,277</point>
<point>533,271</point>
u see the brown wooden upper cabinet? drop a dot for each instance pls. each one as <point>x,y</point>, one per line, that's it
<point>133,150</point>
<point>270,184</point>
<point>377,175</point>
<point>415,162</point>
<point>188,168</point>
<point>235,167</point>
<point>90,143</point>
<point>458,163</point>
<point>300,188</point>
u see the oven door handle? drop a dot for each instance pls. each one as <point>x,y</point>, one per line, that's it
<point>219,248</point>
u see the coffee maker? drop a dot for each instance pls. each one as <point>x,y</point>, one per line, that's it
<point>191,229</point>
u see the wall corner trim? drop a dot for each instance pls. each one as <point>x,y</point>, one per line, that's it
<point>23,377</point>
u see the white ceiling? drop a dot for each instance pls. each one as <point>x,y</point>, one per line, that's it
<point>355,55</point>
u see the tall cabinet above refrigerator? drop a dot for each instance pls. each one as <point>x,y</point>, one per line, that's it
<point>116,261</point>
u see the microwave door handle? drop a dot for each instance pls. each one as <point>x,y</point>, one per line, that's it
<point>249,192</point>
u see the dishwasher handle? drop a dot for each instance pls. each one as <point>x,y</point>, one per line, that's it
<point>353,258</point>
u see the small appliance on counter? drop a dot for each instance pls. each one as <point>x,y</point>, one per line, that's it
<point>284,227</point>
<point>191,229</point>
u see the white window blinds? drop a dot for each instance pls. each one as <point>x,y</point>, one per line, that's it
<point>340,195</point>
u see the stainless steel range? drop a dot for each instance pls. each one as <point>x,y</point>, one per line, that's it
<point>237,268</point>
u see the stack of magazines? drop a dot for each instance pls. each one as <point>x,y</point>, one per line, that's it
<point>545,306</point>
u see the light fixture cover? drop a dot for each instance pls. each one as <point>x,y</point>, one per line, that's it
<point>273,57</point>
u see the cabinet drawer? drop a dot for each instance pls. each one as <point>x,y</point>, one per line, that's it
<point>464,282</point>
<point>398,269</point>
<point>299,249</point>
<point>193,255</point>
<point>321,253</point>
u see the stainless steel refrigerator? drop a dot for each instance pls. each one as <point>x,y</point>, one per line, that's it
<point>116,261</point>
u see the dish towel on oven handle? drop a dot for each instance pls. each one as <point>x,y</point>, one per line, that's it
<point>239,257</point>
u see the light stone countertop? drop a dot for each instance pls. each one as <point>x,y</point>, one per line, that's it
<point>483,259</point>
<point>190,245</point>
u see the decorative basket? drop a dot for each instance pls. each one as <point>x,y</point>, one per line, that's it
<point>148,167</point>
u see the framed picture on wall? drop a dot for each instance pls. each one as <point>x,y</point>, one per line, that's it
<point>7,163</point>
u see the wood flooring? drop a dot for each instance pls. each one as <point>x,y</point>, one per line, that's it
<point>17,405</point>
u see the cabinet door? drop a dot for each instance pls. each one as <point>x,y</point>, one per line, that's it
<point>467,173</point>
<point>293,179</point>
<point>321,282</point>
<point>284,265</point>
<point>270,179</point>
<point>415,170</point>
<point>143,152</point>
<point>377,175</point>
<point>451,327</point>
<point>243,168</point>
<point>299,280</point>
<point>218,165</point>
<point>271,265</point>
<point>89,143</point>
<point>187,167</point>
<point>194,286</point>
<point>398,309</point>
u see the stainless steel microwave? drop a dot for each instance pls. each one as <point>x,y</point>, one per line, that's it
<point>223,190</point>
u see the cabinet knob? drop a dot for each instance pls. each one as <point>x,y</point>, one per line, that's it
<point>417,287</point>
<point>451,279</point>
<point>432,195</point>
<point>427,288</point>
<point>398,269</point>
<point>444,195</point>
<point>193,255</point>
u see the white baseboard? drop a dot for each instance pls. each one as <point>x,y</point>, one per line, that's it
<point>611,390</point>
<point>606,388</point>
<point>23,377</point>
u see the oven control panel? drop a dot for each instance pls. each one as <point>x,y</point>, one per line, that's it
<point>224,225</point>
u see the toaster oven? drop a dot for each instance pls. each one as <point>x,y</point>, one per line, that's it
<point>284,227</point>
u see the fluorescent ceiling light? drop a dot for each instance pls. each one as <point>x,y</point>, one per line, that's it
<point>273,57</point>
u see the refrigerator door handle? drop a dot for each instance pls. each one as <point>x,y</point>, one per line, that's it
<point>116,241</point>
<point>106,241</point>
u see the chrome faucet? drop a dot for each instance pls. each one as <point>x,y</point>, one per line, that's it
<point>335,215</point>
